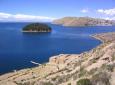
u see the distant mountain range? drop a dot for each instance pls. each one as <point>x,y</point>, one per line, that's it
<point>83,21</point>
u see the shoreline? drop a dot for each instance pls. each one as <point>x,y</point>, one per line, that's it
<point>64,64</point>
<point>97,38</point>
<point>93,36</point>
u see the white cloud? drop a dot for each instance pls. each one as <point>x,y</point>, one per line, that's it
<point>109,18</point>
<point>23,17</point>
<point>4,15</point>
<point>84,10</point>
<point>110,12</point>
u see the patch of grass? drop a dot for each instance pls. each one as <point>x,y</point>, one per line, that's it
<point>83,82</point>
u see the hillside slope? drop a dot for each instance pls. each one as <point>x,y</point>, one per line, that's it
<point>97,66</point>
<point>83,21</point>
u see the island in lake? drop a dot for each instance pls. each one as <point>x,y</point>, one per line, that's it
<point>37,27</point>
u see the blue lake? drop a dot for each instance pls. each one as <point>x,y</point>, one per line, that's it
<point>17,49</point>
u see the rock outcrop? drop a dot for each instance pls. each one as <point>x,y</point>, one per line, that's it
<point>83,21</point>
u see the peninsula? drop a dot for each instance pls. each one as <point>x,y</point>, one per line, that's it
<point>37,27</point>
<point>83,21</point>
<point>96,67</point>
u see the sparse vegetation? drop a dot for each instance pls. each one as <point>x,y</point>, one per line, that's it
<point>113,57</point>
<point>109,67</point>
<point>75,75</point>
<point>82,72</point>
<point>101,78</point>
<point>92,71</point>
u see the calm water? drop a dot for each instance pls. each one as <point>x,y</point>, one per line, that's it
<point>17,49</point>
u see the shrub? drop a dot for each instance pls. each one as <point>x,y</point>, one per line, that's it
<point>54,79</point>
<point>47,83</point>
<point>94,61</point>
<point>84,82</point>
<point>75,75</point>
<point>69,84</point>
<point>101,78</point>
<point>109,67</point>
<point>26,83</point>
<point>82,72</point>
<point>113,57</point>
<point>92,71</point>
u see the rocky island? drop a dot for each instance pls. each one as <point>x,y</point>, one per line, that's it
<point>95,67</point>
<point>37,27</point>
<point>83,21</point>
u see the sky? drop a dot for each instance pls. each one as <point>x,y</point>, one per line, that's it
<point>48,10</point>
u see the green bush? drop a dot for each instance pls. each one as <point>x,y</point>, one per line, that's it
<point>69,84</point>
<point>84,82</point>
<point>47,83</point>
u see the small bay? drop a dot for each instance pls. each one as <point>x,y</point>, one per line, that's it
<point>17,49</point>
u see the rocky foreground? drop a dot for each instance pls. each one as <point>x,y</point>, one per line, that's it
<point>83,21</point>
<point>96,67</point>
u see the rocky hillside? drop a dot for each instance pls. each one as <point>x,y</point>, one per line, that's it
<point>96,67</point>
<point>83,21</point>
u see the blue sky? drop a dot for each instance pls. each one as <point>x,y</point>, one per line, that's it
<point>47,10</point>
